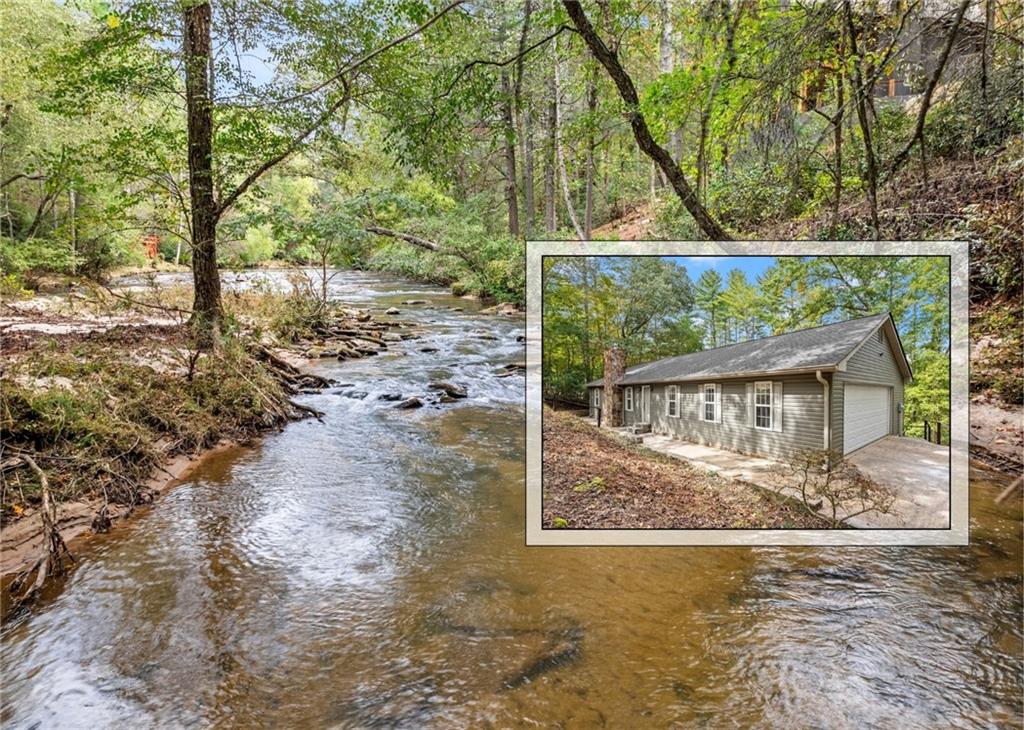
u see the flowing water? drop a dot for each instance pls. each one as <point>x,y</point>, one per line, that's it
<point>370,571</point>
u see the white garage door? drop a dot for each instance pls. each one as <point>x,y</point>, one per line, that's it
<point>865,415</point>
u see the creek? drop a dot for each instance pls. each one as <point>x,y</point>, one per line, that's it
<point>371,571</point>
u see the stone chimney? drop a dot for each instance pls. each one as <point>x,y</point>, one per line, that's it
<point>614,369</point>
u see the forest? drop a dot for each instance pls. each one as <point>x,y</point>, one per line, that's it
<point>432,139</point>
<point>652,308</point>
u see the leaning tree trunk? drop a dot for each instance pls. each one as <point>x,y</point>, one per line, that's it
<point>641,132</point>
<point>206,310</point>
<point>837,143</point>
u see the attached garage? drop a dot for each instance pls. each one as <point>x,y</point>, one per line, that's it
<point>865,415</point>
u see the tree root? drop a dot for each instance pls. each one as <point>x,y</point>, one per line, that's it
<point>287,374</point>
<point>54,549</point>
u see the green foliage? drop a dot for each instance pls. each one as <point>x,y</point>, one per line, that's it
<point>590,304</point>
<point>927,398</point>
<point>36,255</point>
<point>592,485</point>
<point>638,303</point>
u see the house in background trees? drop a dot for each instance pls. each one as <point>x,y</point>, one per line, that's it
<point>915,44</point>
<point>838,386</point>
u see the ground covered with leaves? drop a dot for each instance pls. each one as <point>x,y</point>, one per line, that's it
<point>592,480</point>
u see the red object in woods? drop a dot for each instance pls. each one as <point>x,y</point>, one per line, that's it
<point>150,242</point>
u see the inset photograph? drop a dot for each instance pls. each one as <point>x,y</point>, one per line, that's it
<point>745,392</point>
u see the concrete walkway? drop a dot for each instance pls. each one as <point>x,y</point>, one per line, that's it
<point>916,469</point>
<point>729,464</point>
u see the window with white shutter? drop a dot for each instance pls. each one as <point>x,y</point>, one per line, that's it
<point>711,405</point>
<point>672,401</point>
<point>763,405</point>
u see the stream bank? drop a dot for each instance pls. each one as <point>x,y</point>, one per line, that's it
<point>107,393</point>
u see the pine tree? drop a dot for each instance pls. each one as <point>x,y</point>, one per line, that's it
<point>708,298</point>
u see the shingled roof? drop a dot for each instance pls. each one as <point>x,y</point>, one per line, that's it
<point>819,348</point>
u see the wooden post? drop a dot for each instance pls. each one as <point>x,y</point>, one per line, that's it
<point>938,437</point>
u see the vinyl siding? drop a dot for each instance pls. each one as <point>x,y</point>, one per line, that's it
<point>802,418</point>
<point>633,416</point>
<point>873,364</point>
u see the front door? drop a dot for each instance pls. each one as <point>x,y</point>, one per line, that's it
<point>645,404</point>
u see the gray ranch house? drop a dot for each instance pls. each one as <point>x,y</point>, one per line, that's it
<point>837,386</point>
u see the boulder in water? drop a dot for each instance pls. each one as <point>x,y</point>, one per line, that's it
<point>413,402</point>
<point>505,308</point>
<point>450,389</point>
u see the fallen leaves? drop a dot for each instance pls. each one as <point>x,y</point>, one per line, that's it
<point>593,481</point>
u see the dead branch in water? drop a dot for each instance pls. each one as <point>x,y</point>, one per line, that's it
<point>1016,486</point>
<point>54,549</point>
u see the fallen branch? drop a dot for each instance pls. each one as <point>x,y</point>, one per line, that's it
<point>407,237</point>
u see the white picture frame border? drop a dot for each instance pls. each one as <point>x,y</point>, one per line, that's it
<point>958,531</point>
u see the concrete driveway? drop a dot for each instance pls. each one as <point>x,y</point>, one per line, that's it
<point>917,470</point>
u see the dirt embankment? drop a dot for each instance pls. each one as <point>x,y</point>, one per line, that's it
<point>591,480</point>
<point>114,403</point>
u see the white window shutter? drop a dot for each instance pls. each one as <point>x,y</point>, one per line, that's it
<point>700,401</point>
<point>750,404</point>
<point>776,406</point>
<point>718,402</point>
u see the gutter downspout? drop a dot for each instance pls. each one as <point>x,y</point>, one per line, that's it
<point>828,411</point>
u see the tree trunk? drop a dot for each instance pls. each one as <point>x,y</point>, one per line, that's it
<point>72,209</point>
<point>926,98</point>
<point>837,142</point>
<point>524,125</point>
<point>550,224</point>
<point>511,191</point>
<point>588,205</point>
<point>562,171</point>
<point>666,59</point>
<point>870,163</point>
<point>609,59</point>
<point>206,310</point>
<point>529,203</point>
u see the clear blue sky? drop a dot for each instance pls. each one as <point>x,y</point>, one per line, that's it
<point>752,266</point>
